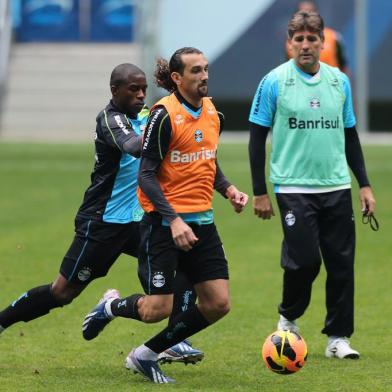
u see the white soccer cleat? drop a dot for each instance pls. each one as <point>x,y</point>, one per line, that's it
<point>287,325</point>
<point>181,352</point>
<point>340,348</point>
<point>110,293</point>
<point>148,369</point>
<point>95,321</point>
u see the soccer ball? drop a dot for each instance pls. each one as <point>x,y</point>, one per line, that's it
<point>284,352</point>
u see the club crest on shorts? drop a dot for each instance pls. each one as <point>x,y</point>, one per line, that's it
<point>84,274</point>
<point>289,218</point>
<point>198,135</point>
<point>158,280</point>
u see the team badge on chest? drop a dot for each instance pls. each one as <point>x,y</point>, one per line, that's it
<point>315,103</point>
<point>198,135</point>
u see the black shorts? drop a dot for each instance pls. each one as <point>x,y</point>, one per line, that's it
<point>96,246</point>
<point>159,257</point>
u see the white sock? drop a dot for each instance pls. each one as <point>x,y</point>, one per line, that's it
<point>145,353</point>
<point>108,308</point>
<point>282,318</point>
<point>332,338</point>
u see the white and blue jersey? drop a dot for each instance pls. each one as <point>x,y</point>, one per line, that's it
<point>111,197</point>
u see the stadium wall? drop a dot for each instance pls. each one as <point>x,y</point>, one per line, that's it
<point>5,43</point>
<point>245,40</point>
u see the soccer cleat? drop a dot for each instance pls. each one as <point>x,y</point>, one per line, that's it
<point>181,352</point>
<point>287,325</point>
<point>340,348</point>
<point>100,316</point>
<point>148,369</point>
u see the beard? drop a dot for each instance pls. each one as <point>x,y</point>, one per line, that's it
<point>203,90</point>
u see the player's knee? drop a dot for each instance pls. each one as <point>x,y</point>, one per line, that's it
<point>153,315</point>
<point>65,292</point>
<point>63,295</point>
<point>215,310</point>
<point>153,312</point>
<point>221,307</point>
<point>63,298</point>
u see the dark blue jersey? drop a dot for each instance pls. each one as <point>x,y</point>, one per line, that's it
<point>111,196</point>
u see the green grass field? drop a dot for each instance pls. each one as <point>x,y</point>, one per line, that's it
<point>40,190</point>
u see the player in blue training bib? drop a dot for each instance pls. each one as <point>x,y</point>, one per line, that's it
<point>307,105</point>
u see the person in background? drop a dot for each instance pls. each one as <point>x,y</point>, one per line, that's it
<point>307,104</point>
<point>333,52</point>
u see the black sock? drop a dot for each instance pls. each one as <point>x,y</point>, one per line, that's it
<point>126,307</point>
<point>184,295</point>
<point>182,326</point>
<point>30,305</point>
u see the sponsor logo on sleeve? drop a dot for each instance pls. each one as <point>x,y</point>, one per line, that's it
<point>150,126</point>
<point>121,124</point>
<point>258,97</point>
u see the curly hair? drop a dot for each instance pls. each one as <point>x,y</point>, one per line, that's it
<point>162,75</point>
<point>164,69</point>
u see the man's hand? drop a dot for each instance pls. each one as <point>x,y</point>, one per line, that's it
<point>262,206</point>
<point>183,235</point>
<point>368,203</point>
<point>237,198</point>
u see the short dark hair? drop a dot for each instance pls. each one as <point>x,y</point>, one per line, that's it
<point>164,68</point>
<point>120,73</point>
<point>176,64</point>
<point>309,21</point>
